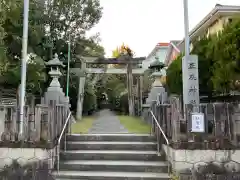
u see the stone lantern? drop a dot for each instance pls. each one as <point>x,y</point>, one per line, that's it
<point>54,91</point>
<point>157,87</point>
<point>157,66</point>
<point>55,73</point>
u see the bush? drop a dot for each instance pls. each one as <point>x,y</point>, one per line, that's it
<point>174,76</point>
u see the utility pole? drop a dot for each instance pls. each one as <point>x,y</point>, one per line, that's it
<point>186,57</point>
<point>24,65</point>
<point>186,27</point>
<point>68,65</point>
<point>189,69</point>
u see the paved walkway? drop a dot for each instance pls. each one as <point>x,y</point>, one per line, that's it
<point>107,122</point>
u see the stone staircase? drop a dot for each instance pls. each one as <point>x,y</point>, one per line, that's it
<point>111,157</point>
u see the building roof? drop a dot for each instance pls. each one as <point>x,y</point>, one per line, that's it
<point>218,11</point>
<point>172,45</point>
<point>158,46</point>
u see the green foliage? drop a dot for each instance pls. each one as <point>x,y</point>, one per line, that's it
<point>204,50</point>
<point>35,72</point>
<point>72,16</point>
<point>226,58</point>
<point>174,76</point>
<point>11,44</point>
<point>114,86</point>
<point>50,26</point>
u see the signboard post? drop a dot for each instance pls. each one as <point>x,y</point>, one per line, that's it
<point>198,124</point>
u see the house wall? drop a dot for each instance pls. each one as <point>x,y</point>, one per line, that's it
<point>146,63</point>
<point>215,27</point>
<point>160,53</point>
<point>173,56</point>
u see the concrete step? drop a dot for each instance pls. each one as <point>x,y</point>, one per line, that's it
<point>111,145</point>
<point>96,175</point>
<point>111,155</point>
<point>115,166</point>
<point>111,137</point>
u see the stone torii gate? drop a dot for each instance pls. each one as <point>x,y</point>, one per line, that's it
<point>129,71</point>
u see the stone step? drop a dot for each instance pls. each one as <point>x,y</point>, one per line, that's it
<point>107,145</point>
<point>111,137</point>
<point>111,155</point>
<point>115,166</point>
<point>96,175</point>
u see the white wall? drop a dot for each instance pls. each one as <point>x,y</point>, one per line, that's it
<point>160,53</point>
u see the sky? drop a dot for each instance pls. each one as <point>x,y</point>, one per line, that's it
<point>141,24</point>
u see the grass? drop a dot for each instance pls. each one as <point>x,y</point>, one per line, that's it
<point>134,125</point>
<point>82,126</point>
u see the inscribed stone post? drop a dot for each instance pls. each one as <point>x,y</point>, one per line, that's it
<point>190,80</point>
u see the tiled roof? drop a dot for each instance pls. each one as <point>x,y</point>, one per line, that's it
<point>162,44</point>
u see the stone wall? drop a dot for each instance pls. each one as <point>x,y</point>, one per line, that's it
<point>26,156</point>
<point>182,160</point>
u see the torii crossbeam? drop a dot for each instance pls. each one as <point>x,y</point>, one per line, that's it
<point>123,59</point>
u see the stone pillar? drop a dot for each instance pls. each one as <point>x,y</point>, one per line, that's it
<point>81,87</point>
<point>130,87</point>
<point>141,92</point>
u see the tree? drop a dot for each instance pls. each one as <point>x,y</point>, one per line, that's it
<point>174,76</point>
<point>48,25</point>
<point>204,50</point>
<point>219,62</point>
<point>73,17</point>
<point>12,25</point>
<point>226,68</point>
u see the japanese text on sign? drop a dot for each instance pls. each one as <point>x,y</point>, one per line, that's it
<point>190,78</point>
<point>198,124</point>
